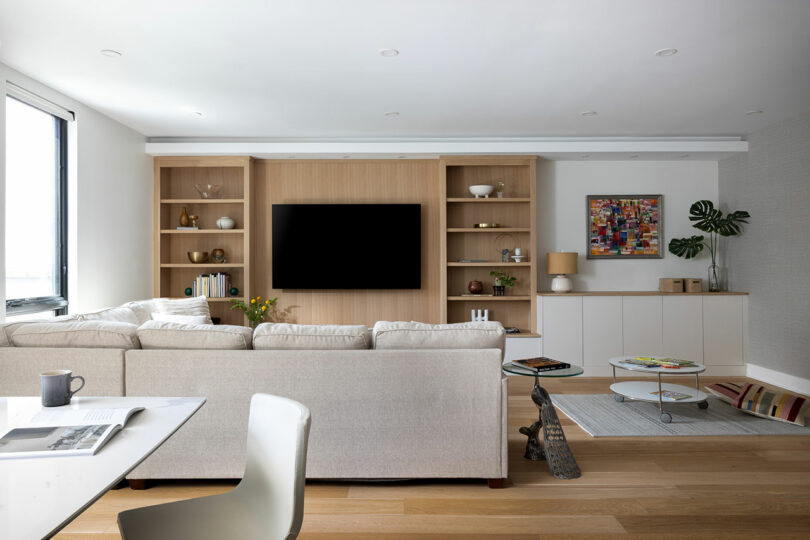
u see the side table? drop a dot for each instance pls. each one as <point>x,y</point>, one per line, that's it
<point>555,449</point>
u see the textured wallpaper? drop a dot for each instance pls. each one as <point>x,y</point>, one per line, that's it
<point>771,259</point>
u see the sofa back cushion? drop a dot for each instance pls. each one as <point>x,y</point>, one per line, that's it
<point>114,314</point>
<point>77,334</point>
<point>144,309</point>
<point>172,335</point>
<point>310,336</point>
<point>416,335</point>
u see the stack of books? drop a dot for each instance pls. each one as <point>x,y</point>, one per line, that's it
<point>211,285</point>
<point>540,364</point>
<point>654,362</point>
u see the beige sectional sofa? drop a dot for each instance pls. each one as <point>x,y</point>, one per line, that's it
<point>404,400</point>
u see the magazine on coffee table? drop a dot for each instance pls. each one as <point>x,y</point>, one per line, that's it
<point>64,432</point>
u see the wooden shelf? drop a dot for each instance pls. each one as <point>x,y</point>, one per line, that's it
<point>526,298</point>
<point>202,265</point>
<point>212,299</point>
<point>489,230</point>
<point>492,200</point>
<point>523,334</point>
<point>489,264</point>
<point>202,201</point>
<point>202,231</point>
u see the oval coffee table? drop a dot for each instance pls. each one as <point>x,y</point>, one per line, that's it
<point>555,449</point>
<point>644,390</point>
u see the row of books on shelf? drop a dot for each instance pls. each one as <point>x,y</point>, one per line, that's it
<point>211,285</point>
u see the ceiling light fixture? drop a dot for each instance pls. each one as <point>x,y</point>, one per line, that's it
<point>751,113</point>
<point>392,114</point>
<point>110,53</point>
<point>588,113</point>
<point>388,53</point>
<point>666,52</point>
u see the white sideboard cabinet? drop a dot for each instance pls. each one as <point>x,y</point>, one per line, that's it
<point>588,328</point>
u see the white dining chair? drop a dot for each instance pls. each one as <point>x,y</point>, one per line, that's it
<point>268,503</point>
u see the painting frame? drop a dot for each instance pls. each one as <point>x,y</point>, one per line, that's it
<point>637,200</point>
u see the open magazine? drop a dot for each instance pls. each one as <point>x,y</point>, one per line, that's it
<point>64,432</point>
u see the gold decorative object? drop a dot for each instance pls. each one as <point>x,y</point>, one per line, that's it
<point>194,220</point>
<point>218,255</point>
<point>184,218</point>
<point>198,257</point>
<point>487,225</point>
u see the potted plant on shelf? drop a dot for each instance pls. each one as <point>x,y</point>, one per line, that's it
<point>255,310</point>
<point>501,281</point>
<point>707,218</point>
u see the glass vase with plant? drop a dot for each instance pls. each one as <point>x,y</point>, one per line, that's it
<point>255,310</point>
<point>705,217</point>
<point>501,281</point>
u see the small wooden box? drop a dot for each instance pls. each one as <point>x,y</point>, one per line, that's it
<point>670,284</point>
<point>693,285</point>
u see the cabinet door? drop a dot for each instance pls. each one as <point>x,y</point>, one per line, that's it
<point>641,325</point>
<point>562,328</point>
<point>723,330</point>
<point>518,348</point>
<point>601,329</point>
<point>683,327</point>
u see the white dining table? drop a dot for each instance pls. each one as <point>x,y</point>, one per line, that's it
<point>40,495</point>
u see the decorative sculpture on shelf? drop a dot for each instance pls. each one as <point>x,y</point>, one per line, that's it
<point>184,218</point>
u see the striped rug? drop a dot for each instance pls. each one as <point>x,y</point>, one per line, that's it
<point>601,416</point>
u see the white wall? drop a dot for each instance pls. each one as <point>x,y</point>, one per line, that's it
<point>562,187</point>
<point>770,258</point>
<point>110,203</point>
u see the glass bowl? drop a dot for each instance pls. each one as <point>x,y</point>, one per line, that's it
<point>208,191</point>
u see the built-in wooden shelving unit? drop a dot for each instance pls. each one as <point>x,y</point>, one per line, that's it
<point>515,212</point>
<point>175,178</point>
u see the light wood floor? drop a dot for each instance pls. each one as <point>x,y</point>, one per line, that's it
<point>665,487</point>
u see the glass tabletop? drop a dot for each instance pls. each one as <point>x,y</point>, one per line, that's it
<point>573,371</point>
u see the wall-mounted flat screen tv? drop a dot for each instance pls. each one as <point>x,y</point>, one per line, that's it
<point>347,246</point>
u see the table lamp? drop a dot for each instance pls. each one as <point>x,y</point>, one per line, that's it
<point>561,264</point>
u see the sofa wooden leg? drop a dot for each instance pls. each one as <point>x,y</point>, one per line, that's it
<point>138,484</point>
<point>495,483</point>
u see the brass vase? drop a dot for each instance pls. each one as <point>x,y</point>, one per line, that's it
<point>184,218</point>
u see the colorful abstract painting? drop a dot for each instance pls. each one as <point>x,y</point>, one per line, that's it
<point>624,226</point>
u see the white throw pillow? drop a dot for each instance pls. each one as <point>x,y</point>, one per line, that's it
<point>143,309</point>
<point>310,336</point>
<point>197,305</point>
<point>115,314</point>
<point>416,335</point>
<point>170,335</point>
<point>182,319</point>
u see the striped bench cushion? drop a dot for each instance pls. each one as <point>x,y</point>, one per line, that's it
<point>761,401</point>
<point>727,391</point>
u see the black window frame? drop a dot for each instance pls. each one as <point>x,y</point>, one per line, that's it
<point>59,302</point>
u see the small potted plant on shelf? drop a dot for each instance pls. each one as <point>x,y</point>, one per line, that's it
<point>255,310</point>
<point>501,281</point>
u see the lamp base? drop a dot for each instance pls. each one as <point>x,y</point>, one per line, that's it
<point>561,284</point>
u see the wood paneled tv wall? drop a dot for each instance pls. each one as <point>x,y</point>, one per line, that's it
<point>348,181</point>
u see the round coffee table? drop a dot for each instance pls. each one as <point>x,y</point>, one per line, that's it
<point>646,390</point>
<point>555,449</point>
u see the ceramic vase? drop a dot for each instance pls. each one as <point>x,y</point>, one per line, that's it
<point>225,223</point>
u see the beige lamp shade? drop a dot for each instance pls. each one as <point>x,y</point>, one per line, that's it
<point>561,263</point>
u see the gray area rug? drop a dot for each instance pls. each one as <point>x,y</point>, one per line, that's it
<point>601,416</point>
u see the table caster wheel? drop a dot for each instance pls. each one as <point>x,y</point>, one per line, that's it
<point>618,398</point>
<point>666,418</point>
<point>703,404</point>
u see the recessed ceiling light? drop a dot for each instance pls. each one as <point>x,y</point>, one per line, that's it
<point>388,53</point>
<point>633,156</point>
<point>684,156</point>
<point>751,113</point>
<point>588,113</point>
<point>666,52</point>
<point>110,53</point>
<point>392,114</point>
<point>585,156</point>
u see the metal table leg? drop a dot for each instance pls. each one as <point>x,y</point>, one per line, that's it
<point>555,447</point>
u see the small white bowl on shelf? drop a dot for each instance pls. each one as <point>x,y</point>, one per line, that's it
<point>482,191</point>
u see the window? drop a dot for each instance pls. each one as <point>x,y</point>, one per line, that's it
<point>36,206</point>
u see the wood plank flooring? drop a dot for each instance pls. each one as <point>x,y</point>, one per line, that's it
<point>665,487</point>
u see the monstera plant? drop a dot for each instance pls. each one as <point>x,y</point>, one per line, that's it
<point>705,217</point>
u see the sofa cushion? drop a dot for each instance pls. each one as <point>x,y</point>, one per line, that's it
<point>197,305</point>
<point>8,328</point>
<point>114,314</point>
<point>416,335</point>
<point>725,391</point>
<point>72,334</point>
<point>183,319</point>
<point>172,335</point>
<point>310,336</point>
<point>143,309</point>
<point>774,404</point>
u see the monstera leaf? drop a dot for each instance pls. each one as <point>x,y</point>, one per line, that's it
<point>686,247</point>
<point>730,225</point>
<point>705,216</point>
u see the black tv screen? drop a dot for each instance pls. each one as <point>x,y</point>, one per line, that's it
<point>347,246</point>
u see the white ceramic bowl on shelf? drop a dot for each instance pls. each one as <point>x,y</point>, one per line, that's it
<point>482,190</point>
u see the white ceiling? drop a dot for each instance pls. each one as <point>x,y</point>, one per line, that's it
<point>467,68</point>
